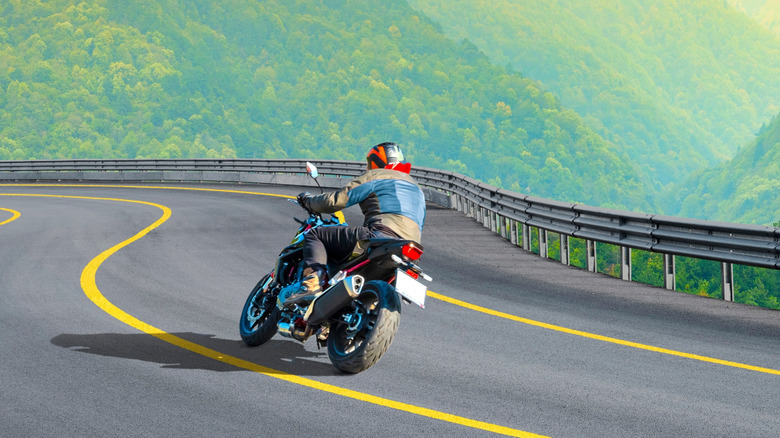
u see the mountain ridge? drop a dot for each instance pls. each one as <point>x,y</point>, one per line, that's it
<point>678,85</point>
<point>744,189</point>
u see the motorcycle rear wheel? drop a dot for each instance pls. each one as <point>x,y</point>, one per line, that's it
<point>364,334</point>
<point>260,315</point>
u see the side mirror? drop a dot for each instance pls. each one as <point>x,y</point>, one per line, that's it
<point>312,170</point>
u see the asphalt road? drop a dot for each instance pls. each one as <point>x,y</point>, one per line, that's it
<point>549,349</point>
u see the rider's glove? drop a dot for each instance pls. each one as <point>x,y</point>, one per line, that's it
<point>303,198</point>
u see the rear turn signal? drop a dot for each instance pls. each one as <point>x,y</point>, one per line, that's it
<point>411,251</point>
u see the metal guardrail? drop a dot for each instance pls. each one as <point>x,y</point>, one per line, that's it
<point>508,213</point>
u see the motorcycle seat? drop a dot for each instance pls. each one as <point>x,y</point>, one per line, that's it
<point>361,248</point>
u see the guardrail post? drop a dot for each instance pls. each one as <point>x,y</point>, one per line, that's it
<point>542,243</point>
<point>493,221</point>
<point>513,231</point>
<point>669,272</point>
<point>565,251</point>
<point>625,263</point>
<point>727,275</point>
<point>591,250</point>
<point>526,237</point>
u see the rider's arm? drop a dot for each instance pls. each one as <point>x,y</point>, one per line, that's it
<point>340,199</point>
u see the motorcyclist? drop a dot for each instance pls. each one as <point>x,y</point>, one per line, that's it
<point>393,206</point>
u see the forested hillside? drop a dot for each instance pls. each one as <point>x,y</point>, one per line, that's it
<point>765,12</point>
<point>679,85</point>
<point>673,86</point>
<point>745,189</point>
<point>270,79</point>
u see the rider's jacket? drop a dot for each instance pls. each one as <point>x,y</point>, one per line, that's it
<point>389,199</point>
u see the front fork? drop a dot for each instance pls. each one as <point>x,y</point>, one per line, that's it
<point>263,306</point>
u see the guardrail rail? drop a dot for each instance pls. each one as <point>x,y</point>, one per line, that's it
<point>510,214</point>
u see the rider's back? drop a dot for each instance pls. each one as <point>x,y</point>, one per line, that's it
<point>388,198</point>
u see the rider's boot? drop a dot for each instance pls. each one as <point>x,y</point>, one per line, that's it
<point>310,288</point>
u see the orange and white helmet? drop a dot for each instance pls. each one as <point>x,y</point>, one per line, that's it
<point>384,155</point>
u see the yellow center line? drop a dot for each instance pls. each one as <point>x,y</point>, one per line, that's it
<point>123,186</point>
<point>598,337</point>
<point>89,285</point>
<point>473,306</point>
<point>14,215</point>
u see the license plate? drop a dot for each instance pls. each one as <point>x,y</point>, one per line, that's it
<point>410,288</point>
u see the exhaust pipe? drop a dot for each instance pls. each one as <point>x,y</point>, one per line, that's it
<point>284,329</point>
<point>333,300</point>
<point>296,330</point>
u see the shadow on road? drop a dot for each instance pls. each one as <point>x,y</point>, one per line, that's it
<point>279,354</point>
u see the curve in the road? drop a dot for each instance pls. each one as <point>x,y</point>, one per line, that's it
<point>90,288</point>
<point>445,298</point>
<point>14,215</point>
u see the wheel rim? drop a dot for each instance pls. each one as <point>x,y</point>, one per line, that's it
<point>356,326</point>
<point>258,310</point>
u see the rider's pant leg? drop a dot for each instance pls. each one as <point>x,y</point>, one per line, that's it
<point>331,243</point>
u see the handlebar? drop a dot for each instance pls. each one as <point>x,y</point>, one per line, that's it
<point>332,220</point>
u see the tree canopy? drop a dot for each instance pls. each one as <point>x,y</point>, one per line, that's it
<point>274,79</point>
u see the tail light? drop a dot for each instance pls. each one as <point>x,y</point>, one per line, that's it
<point>411,251</point>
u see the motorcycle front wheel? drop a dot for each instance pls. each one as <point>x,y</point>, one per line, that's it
<point>364,332</point>
<point>260,315</point>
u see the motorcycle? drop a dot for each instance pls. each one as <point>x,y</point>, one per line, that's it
<point>357,314</point>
